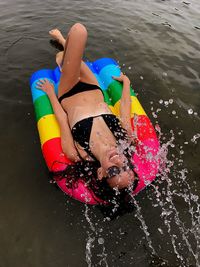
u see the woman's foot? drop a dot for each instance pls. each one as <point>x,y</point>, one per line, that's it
<point>57,35</point>
<point>59,59</point>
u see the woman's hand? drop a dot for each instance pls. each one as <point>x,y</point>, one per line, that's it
<point>46,86</point>
<point>122,78</point>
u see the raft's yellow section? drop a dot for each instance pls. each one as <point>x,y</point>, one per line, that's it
<point>48,128</point>
<point>136,107</point>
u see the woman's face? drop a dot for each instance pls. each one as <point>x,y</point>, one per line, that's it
<point>113,158</point>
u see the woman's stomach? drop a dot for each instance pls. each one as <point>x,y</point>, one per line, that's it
<point>84,105</point>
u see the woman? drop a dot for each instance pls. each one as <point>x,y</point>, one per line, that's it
<point>89,130</point>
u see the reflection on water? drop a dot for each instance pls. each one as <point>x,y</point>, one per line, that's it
<point>157,45</point>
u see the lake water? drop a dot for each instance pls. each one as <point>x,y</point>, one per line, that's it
<point>157,44</point>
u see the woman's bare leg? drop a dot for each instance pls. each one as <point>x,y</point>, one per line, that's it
<point>57,35</point>
<point>59,59</point>
<point>73,53</point>
<point>77,34</point>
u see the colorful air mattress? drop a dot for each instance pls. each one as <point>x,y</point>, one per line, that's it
<point>145,158</point>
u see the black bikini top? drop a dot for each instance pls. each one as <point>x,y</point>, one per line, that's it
<point>82,129</point>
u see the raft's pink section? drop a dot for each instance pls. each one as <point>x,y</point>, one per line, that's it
<point>146,162</point>
<point>80,193</point>
<point>145,158</point>
<point>57,161</point>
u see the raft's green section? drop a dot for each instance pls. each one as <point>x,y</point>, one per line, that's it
<point>106,97</point>
<point>114,92</point>
<point>42,107</point>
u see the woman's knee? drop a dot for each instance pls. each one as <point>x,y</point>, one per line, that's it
<point>79,28</point>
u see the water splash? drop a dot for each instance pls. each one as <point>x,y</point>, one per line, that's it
<point>186,237</point>
<point>94,234</point>
<point>171,187</point>
<point>170,215</point>
<point>88,250</point>
<point>139,216</point>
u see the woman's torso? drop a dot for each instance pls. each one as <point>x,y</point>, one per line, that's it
<point>84,105</point>
<point>96,129</point>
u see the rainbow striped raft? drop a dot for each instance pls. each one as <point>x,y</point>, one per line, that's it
<point>145,158</point>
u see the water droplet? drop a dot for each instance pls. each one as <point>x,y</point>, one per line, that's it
<point>195,137</point>
<point>154,115</point>
<point>173,112</point>
<point>161,101</point>
<point>166,103</point>
<point>190,111</point>
<point>157,127</point>
<point>164,74</point>
<point>171,101</point>
<point>129,68</point>
<point>141,77</point>
<point>100,240</point>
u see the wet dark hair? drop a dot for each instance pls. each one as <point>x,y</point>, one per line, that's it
<point>87,172</point>
<point>100,189</point>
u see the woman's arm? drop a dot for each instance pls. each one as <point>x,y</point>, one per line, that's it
<point>67,141</point>
<point>125,104</point>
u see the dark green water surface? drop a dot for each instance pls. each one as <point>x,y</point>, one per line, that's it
<point>157,43</point>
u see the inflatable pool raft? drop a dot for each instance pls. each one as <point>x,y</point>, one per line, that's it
<point>145,157</point>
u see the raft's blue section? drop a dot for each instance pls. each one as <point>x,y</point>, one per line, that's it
<point>103,69</point>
